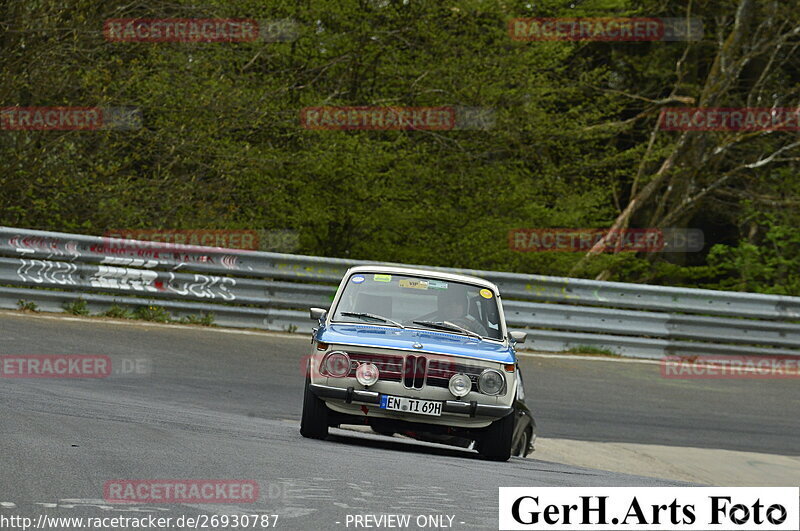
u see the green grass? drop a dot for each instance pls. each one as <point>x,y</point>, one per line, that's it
<point>205,319</point>
<point>152,313</point>
<point>146,313</point>
<point>27,306</point>
<point>77,307</point>
<point>597,351</point>
<point>118,312</point>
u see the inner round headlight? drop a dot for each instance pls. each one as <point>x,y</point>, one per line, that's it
<point>337,364</point>
<point>491,382</point>
<point>460,385</point>
<point>367,374</point>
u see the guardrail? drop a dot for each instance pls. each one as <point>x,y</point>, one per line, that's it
<point>273,291</point>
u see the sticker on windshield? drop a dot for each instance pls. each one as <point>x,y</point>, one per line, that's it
<point>413,283</point>
<point>437,284</point>
<point>358,279</point>
<point>486,294</point>
<point>381,278</point>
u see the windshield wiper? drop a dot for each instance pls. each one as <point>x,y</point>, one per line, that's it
<point>372,316</point>
<point>447,325</point>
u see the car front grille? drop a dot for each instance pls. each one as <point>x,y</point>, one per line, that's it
<point>441,370</point>
<point>389,365</point>
<point>415,371</point>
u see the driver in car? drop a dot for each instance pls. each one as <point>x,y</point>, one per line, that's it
<point>453,306</point>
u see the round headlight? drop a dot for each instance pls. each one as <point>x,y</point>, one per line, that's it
<point>491,382</point>
<point>367,374</point>
<point>337,364</point>
<point>460,385</point>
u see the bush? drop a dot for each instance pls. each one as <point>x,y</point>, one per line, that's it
<point>77,307</point>
<point>205,319</point>
<point>118,312</point>
<point>27,306</point>
<point>152,313</point>
<point>587,349</point>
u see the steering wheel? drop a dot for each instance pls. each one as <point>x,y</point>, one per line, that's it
<point>471,324</point>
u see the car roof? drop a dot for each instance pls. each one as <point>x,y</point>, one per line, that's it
<point>432,273</point>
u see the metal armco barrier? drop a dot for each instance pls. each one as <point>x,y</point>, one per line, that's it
<point>274,291</point>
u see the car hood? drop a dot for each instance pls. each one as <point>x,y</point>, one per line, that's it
<point>432,341</point>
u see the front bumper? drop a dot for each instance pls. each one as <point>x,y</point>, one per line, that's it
<point>351,395</point>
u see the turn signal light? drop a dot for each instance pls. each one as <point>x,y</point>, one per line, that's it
<point>510,367</point>
<point>322,346</point>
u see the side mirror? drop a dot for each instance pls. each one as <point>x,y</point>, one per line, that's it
<point>318,313</point>
<point>518,336</point>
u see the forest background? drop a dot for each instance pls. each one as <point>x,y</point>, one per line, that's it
<point>574,139</point>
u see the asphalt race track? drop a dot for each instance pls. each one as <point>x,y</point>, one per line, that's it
<point>224,405</point>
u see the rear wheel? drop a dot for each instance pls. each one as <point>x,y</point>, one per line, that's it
<point>314,422</point>
<point>496,441</point>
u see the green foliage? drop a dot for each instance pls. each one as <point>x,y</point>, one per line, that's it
<point>152,313</point>
<point>588,349</point>
<point>27,306</point>
<point>77,307</point>
<point>770,265</point>
<point>118,312</point>
<point>205,319</point>
<point>159,314</point>
<point>222,146</point>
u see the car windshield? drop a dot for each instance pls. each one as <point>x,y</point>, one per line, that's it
<point>419,302</point>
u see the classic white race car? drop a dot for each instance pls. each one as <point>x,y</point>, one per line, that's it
<point>418,352</point>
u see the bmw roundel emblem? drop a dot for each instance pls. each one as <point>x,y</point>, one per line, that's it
<point>417,345</point>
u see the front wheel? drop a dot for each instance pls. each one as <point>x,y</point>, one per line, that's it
<point>314,422</point>
<point>522,448</point>
<point>496,441</point>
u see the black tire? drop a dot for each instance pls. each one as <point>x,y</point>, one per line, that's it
<point>314,422</point>
<point>524,440</point>
<point>495,444</point>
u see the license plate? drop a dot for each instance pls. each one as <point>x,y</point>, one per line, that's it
<point>411,405</point>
